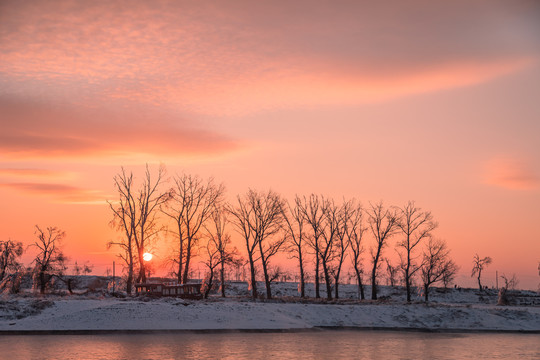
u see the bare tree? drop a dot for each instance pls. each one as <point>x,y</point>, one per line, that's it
<point>313,210</point>
<point>478,266</point>
<point>50,261</point>
<point>136,215</point>
<point>125,219</point>
<point>266,225</point>
<point>355,235</point>
<point>221,241</point>
<point>510,283</point>
<point>242,215</point>
<point>295,222</point>
<point>84,269</point>
<point>450,274</point>
<point>149,200</point>
<point>346,212</point>
<point>416,225</point>
<point>391,272</point>
<point>436,264</point>
<point>328,244</point>
<point>190,207</point>
<point>211,261</point>
<point>383,224</point>
<point>10,252</point>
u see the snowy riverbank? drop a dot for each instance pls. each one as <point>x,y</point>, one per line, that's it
<point>172,314</point>
<point>450,311</point>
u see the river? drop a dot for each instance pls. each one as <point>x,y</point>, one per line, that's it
<point>331,344</point>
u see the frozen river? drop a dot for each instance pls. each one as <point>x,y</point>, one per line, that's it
<point>339,344</point>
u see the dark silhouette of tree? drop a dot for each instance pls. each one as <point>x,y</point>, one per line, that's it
<point>10,252</point>
<point>125,219</point>
<point>510,283</point>
<point>221,241</point>
<point>313,210</point>
<point>84,269</point>
<point>135,214</point>
<point>190,206</point>
<point>415,225</point>
<point>212,261</point>
<point>327,245</point>
<point>294,224</point>
<point>50,261</point>
<point>478,266</point>
<point>266,225</point>
<point>149,200</point>
<point>450,274</point>
<point>242,216</point>
<point>391,272</point>
<point>345,213</point>
<point>355,234</point>
<point>436,264</point>
<point>383,224</point>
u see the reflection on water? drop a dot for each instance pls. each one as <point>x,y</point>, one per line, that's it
<point>308,345</point>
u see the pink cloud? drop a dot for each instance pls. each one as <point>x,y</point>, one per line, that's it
<point>29,172</point>
<point>59,192</point>
<point>512,174</point>
<point>38,130</point>
<point>217,59</point>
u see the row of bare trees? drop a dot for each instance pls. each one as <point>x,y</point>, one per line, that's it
<point>312,228</point>
<point>48,264</point>
<point>192,204</point>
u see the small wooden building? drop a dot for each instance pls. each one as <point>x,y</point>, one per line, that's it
<point>184,291</point>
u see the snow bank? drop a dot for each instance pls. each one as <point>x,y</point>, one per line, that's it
<point>467,310</point>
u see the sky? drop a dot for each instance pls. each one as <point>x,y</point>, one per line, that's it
<point>435,102</point>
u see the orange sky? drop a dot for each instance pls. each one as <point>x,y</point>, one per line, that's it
<point>430,101</point>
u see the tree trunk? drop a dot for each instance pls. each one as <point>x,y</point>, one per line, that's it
<point>42,282</point>
<point>186,268</point>
<point>374,284</point>
<point>479,283</point>
<point>426,292</point>
<point>336,291</point>
<point>328,281</point>
<point>265,272</point>
<point>408,283</point>
<point>129,282</point>
<point>253,280</point>
<point>408,267</point>
<point>180,257</point>
<point>317,284</point>
<point>142,267</point>
<point>222,278</point>
<point>360,285</point>
<point>302,280</point>
<point>374,275</point>
<point>209,284</point>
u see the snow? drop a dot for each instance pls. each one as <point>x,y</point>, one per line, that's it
<point>452,310</point>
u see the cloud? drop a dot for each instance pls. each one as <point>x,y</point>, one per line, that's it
<point>59,192</point>
<point>40,130</point>
<point>30,173</point>
<point>243,56</point>
<point>511,173</point>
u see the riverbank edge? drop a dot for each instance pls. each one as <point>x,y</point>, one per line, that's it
<point>289,330</point>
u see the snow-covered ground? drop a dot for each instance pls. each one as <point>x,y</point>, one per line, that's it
<point>464,309</point>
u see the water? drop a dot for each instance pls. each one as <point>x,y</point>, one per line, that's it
<point>307,345</point>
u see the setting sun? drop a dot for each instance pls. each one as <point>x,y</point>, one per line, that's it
<point>147,256</point>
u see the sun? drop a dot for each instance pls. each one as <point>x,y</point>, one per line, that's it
<point>147,256</point>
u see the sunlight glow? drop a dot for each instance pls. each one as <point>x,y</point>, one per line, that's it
<point>147,256</point>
